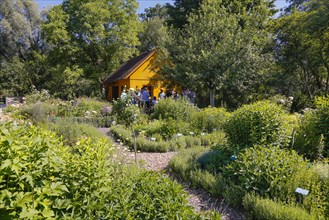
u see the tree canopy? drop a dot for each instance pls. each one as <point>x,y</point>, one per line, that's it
<point>216,44</point>
<point>89,39</point>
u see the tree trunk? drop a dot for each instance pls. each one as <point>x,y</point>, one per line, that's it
<point>212,97</point>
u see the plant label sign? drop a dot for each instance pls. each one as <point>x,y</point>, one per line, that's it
<point>302,191</point>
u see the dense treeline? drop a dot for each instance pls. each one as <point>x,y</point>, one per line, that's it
<point>230,51</point>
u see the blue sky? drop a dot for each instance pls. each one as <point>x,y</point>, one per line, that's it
<point>142,3</point>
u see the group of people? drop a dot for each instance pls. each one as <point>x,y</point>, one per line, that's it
<point>143,97</point>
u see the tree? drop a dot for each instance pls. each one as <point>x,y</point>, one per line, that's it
<point>217,45</point>
<point>302,49</point>
<point>19,28</point>
<point>181,10</point>
<point>158,11</point>
<point>21,46</point>
<point>88,39</point>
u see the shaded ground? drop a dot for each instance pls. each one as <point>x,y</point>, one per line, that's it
<point>198,198</point>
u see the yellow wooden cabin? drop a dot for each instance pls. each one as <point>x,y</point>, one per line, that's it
<point>135,73</point>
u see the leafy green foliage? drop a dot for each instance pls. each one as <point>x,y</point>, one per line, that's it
<point>209,119</point>
<point>260,208</point>
<point>302,49</point>
<point>146,144</point>
<point>19,25</point>
<point>30,172</point>
<point>312,136</point>
<point>126,113</point>
<point>180,110</point>
<point>264,170</point>
<point>87,41</point>
<point>218,46</point>
<point>168,128</point>
<point>308,140</point>
<point>71,132</point>
<point>42,179</point>
<point>185,164</point>
<point>317,201</point>
<point>258,123</point>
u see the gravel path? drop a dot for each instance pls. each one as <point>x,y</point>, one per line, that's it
<point>198,198</point>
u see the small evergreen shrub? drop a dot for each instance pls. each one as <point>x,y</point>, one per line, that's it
<point>180,109</point>
<point>209,119</point>
<point>260,208</point>
<point>259,123</point>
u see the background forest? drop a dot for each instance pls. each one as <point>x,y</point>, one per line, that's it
<point>230,52</point>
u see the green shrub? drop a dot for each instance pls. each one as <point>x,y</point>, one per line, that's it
<point>166,128</point>
<point>126,113</point>
<point>31,164</point>
<point>264,170</point>
<point>42,179</point>
<point>185,163</point>
<point>99,121</point>
<point>258,123</point>
<point>38,112</point>
<point>192,141</point>
<point>312,137</point>
<point>72,132</point>
<point>84,107</point>
<point>180,110</point>
<point>215,159</point>
<point>308,139</point>
<point>217,138</point>
<point>259,208</point>
<point>209,119</point>
<point>316,181</point>
<point>322,104</point>
<point>146,144</point>
<point>38,96</point>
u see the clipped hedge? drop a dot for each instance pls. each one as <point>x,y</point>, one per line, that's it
<point>260,123</point>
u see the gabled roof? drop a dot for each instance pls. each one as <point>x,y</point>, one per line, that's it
<point>127,68</point>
